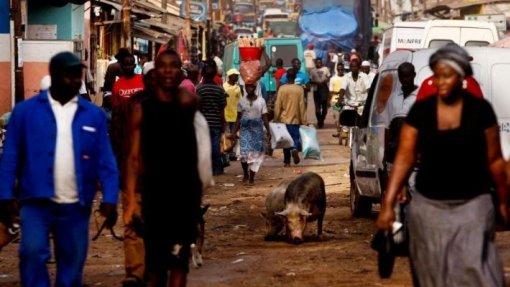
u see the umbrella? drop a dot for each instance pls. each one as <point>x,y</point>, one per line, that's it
<point>503,43</point>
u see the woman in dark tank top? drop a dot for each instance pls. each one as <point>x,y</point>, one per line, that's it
<point>451,215</point>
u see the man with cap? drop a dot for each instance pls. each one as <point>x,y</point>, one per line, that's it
<point>365,68</point>
<point>57,149</point>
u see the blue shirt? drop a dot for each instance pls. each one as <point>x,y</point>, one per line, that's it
<point>29,152</point>
<point>301,79</point>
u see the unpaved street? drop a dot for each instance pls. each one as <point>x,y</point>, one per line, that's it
<point>235,253</point>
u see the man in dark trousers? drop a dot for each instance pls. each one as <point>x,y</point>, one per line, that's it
<point>170,183</point>
<point>57,148</point>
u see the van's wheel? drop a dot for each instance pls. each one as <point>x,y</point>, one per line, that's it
<point>360,206</point>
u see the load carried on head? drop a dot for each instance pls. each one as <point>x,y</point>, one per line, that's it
<point>250,51</point>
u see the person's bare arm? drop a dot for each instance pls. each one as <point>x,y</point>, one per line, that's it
<point>268,62</point>
<point>265,118</point>
<point>277,106</point>
<point>497,169</point>
<point>403,164</point>
<point>133,161</point>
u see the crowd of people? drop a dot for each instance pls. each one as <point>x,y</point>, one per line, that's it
<point>59,145</point>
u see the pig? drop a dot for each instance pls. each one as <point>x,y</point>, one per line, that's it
<point>305,201</point>
<point>197,246</point>
<point>275,203</point>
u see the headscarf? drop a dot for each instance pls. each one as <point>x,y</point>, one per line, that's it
<point>454,56</point>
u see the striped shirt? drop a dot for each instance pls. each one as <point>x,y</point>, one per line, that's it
<point>212,103</point>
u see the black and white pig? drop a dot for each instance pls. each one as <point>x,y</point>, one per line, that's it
<point>305,201</point>
<point>275,203</point>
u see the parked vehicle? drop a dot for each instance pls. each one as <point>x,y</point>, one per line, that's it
<point>273,15</point>
<point>244,14</point>
<point>284,48</point>
<point>367,174</point>
<point>435,34</point>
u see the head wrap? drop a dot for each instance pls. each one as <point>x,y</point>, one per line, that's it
<point>454,56</point>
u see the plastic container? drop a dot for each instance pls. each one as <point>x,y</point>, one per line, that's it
<point>249,53</point>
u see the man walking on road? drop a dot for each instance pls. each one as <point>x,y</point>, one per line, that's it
<point>290,110</point>
<point>320,77</point>
<point>171,186</point>
<point>57,148</point>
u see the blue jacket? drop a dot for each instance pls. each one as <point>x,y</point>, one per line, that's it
<point>29,152</point>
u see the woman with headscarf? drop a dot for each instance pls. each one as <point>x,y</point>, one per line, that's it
<point>452,215</point>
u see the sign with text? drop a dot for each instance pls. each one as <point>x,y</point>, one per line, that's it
<point>198,10</point>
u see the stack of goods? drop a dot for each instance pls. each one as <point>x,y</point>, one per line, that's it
<point>249,52</point>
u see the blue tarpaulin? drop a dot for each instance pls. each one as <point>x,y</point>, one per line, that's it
<point>329,24</point>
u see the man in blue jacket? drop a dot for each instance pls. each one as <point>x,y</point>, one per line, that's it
<point>57,149</point>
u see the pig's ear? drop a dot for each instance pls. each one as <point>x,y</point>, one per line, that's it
<point>305,213</point>
<point>282,213</point>
<point>263,214</point>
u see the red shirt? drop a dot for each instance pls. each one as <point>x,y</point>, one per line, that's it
<point>124,88</point>
<point>218,80</point>
<point>428,89</point>
<point>279,73</point>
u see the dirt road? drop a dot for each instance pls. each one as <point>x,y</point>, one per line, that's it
<point>235,252</point>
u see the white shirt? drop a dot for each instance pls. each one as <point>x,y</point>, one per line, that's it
<point>219,64</point>
<point>64,176</point>
<point>356,92</point>
<point>398,106</point>
<point>310,57</point>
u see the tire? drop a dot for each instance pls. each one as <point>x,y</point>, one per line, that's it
<point>360,206</point>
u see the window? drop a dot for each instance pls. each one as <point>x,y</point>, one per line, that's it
<point>477,44</point>
<point>285,52</point>
<point>388,83</point>
<point>439,43</point>
<point>499,87</point>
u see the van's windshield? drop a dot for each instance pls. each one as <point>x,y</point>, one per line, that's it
<point>284,52</point>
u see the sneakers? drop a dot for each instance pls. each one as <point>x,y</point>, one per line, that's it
<point>295,156</point>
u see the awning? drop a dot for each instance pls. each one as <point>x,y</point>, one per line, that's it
<point>175,24</point>
<point>459,4</point>
<point>116,5</point>
<point>149,34</point>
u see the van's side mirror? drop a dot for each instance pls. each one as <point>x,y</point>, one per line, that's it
<point>349,118</point>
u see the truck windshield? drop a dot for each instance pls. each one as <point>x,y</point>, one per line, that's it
<point>284,52</point>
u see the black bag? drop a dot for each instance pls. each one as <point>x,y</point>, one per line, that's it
<point>382,242</point>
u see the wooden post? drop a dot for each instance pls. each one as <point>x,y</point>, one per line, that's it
<point>164,19</point>
<point>126,24</point>
<point>187,23</point>
<point>19,87</point>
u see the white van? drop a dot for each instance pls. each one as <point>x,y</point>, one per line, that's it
<point>490,67</point>
<point>435,34</point>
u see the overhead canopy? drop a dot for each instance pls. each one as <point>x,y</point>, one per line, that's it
<point>149,34</point>
<point>459,4</point>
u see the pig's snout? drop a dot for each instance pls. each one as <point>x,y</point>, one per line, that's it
<point>297,240</point>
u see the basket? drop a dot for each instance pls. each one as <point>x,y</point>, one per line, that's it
<point>249,53</point>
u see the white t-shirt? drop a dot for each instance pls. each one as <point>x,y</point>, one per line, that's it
<point>252,110</point>
<point>64,175</point>
<point>310,57</point>
<point>355,91</point>
<point>398,106</point>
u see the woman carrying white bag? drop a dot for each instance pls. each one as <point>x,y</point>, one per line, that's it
<point>290,110</point>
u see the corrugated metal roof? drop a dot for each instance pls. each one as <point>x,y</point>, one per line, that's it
<point>457,4</point>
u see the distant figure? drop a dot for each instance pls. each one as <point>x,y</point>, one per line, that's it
<point>320,78</point>
<point>280,71</point>
<point>310,57</point>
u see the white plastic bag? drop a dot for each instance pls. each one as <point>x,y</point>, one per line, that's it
<point>309,142</point>
<point>280,137</point>
<point>203,150</point>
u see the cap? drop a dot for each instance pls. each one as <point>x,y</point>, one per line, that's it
<point>365,64</point>
<point>310,45</point>
<point>232,72</point>
<point>64,60</point>
<point>147,67</point>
